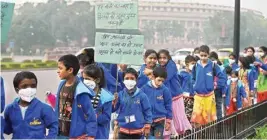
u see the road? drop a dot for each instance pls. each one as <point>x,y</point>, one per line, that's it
<point>47,81</point>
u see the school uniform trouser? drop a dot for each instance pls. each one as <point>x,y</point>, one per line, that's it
<point>129,136</point>
<point>219,101</point>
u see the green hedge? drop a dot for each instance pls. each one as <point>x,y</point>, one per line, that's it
<point>3,66</point>
<point>6,60</point>
<point>261,133</point>
<point>12,65</point>
<point>27,61</point>
<point>41,65</point>
<point>27,66</point>
<point>37,61</point>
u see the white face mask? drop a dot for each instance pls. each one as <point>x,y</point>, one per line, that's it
<point>191,67</point>
<point>214,61</point>
<point>91,84</point>
<point>27,94</point>
<point>231,61</point>
<point>129,84</point>
<point>261,54</point>
<point>245,55</point>
<point>234,79</point>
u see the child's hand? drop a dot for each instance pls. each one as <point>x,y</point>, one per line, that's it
<point>223,95</point>
<point>146,130</point>
<point>148,71</point>
<point>245,100</point>
<point>167,126</point>
<point>234,99</point>
<point>257,64</point>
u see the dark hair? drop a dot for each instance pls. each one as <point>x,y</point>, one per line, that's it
<point>214,55</point>
<point>232,54</point>
<point>131,71</point>
<point>166,52</point>
<point>21,76</point>
<point>251,59</point>
<point>70,61</point>
<point>160,72</point>
<point>150,51</point>
<point>228,70</point>
<point>204,48</point>
<point>253,50</point>
<point>196,49</point>
<point>244,62</point>
<point>189,58</point>
<point>87,57</point>
<point>83,59</point>
<point>264,49</point>
<point>95,72</point>
<point>235,73</point>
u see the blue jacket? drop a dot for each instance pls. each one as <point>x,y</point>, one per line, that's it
<point>103,111</point>
<point>241,93</point>
<point>251,78</point>
<point>234,66</point>
<point>83,118</point>
<point>2,106</point>
<point>172,80</point>
<point>142,78</point>
<point>38,117</point>
<point>186,82</point>
<point>160,100</point>
<point>204,80</point>
<point>137,105</point>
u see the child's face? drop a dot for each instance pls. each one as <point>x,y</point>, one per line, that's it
<point>233,76</point>
<point>249,52</point>
<point>163,59</point>
<point>204,56</point>
<point>190,65</point>
<point>159,81</point>
<point>27,83</point>
<point>62,71</point>
<point>151,60</point>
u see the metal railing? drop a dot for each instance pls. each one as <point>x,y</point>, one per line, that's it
<point>238,125</point>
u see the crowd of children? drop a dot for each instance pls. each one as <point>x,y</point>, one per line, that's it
<point>154,103</point>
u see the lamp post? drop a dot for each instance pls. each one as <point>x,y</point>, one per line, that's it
<point>237,29</point>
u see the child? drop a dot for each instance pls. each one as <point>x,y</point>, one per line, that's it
<point>94,78</point>
<point>180,122</point>
<point>27,117</point>
<point>262,79</point>
<point>146,69</point>
<point>135,117</point>
<point>204,110</point>
<point>87,58</point>
<point>246,76</point>
<point>2,106</point>
<point>161,103</point>
<point>74,109</point>
<point>187,85</point>
<point>228,71</point>
<point>232,63</point>
<point>234,93</point>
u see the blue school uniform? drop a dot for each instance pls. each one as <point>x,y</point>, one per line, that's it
<point>186,82</point>
<point>204,80</point>
<point>135,111</point>
<point>160,100</point>
<point>241,93</point>
<point>2,106</point>
<point>172,80</point>
<point>142,78</point>
<point>234,66</point>
<point>250,78</point>
<point>83,118</point>
<point>103,112</point>
<point>38,117</point>
<point>113,71</point>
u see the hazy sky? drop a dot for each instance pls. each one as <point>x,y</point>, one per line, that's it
<point>260,5</point>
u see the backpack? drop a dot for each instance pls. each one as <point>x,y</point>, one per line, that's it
<point>213,70</point>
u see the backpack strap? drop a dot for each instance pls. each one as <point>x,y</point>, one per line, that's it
<point>194,72</point>
<point>213,69</point>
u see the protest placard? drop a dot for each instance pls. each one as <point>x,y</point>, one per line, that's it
<point>7,8</point>
<point>116,15</point>
<point>119,48</point>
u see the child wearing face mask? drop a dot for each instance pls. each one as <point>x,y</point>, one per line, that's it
<point>180,122</point>
<point>232,63</point>
<point>161,103</point>
<point>187,85</point>
<point>204,73</point>
<point>146,70</point>
<point>134,116</point>
<point>102,102</point>
<point>27,117</point>
<point>234,94</point>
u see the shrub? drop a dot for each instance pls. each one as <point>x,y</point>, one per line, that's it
<point>41,65</point>
<point>261,133</point>
<point>14,66</point>
<point>27,65</point>
<point>27,61</point>
<point>37,61</point>
<point>50,61</point>
<point>52,65</point>
<point>7,60</point>
<point>3,66</point>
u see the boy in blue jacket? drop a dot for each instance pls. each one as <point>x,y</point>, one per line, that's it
<point>27,117</point>
<point>187,85</point>
<point>204,73</point>
<point>74,109</point>
<point>2,106</point>
<point>135,117</point>
<point>160,100</point>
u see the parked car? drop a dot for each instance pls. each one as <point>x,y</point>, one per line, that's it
<point>180,54</point>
